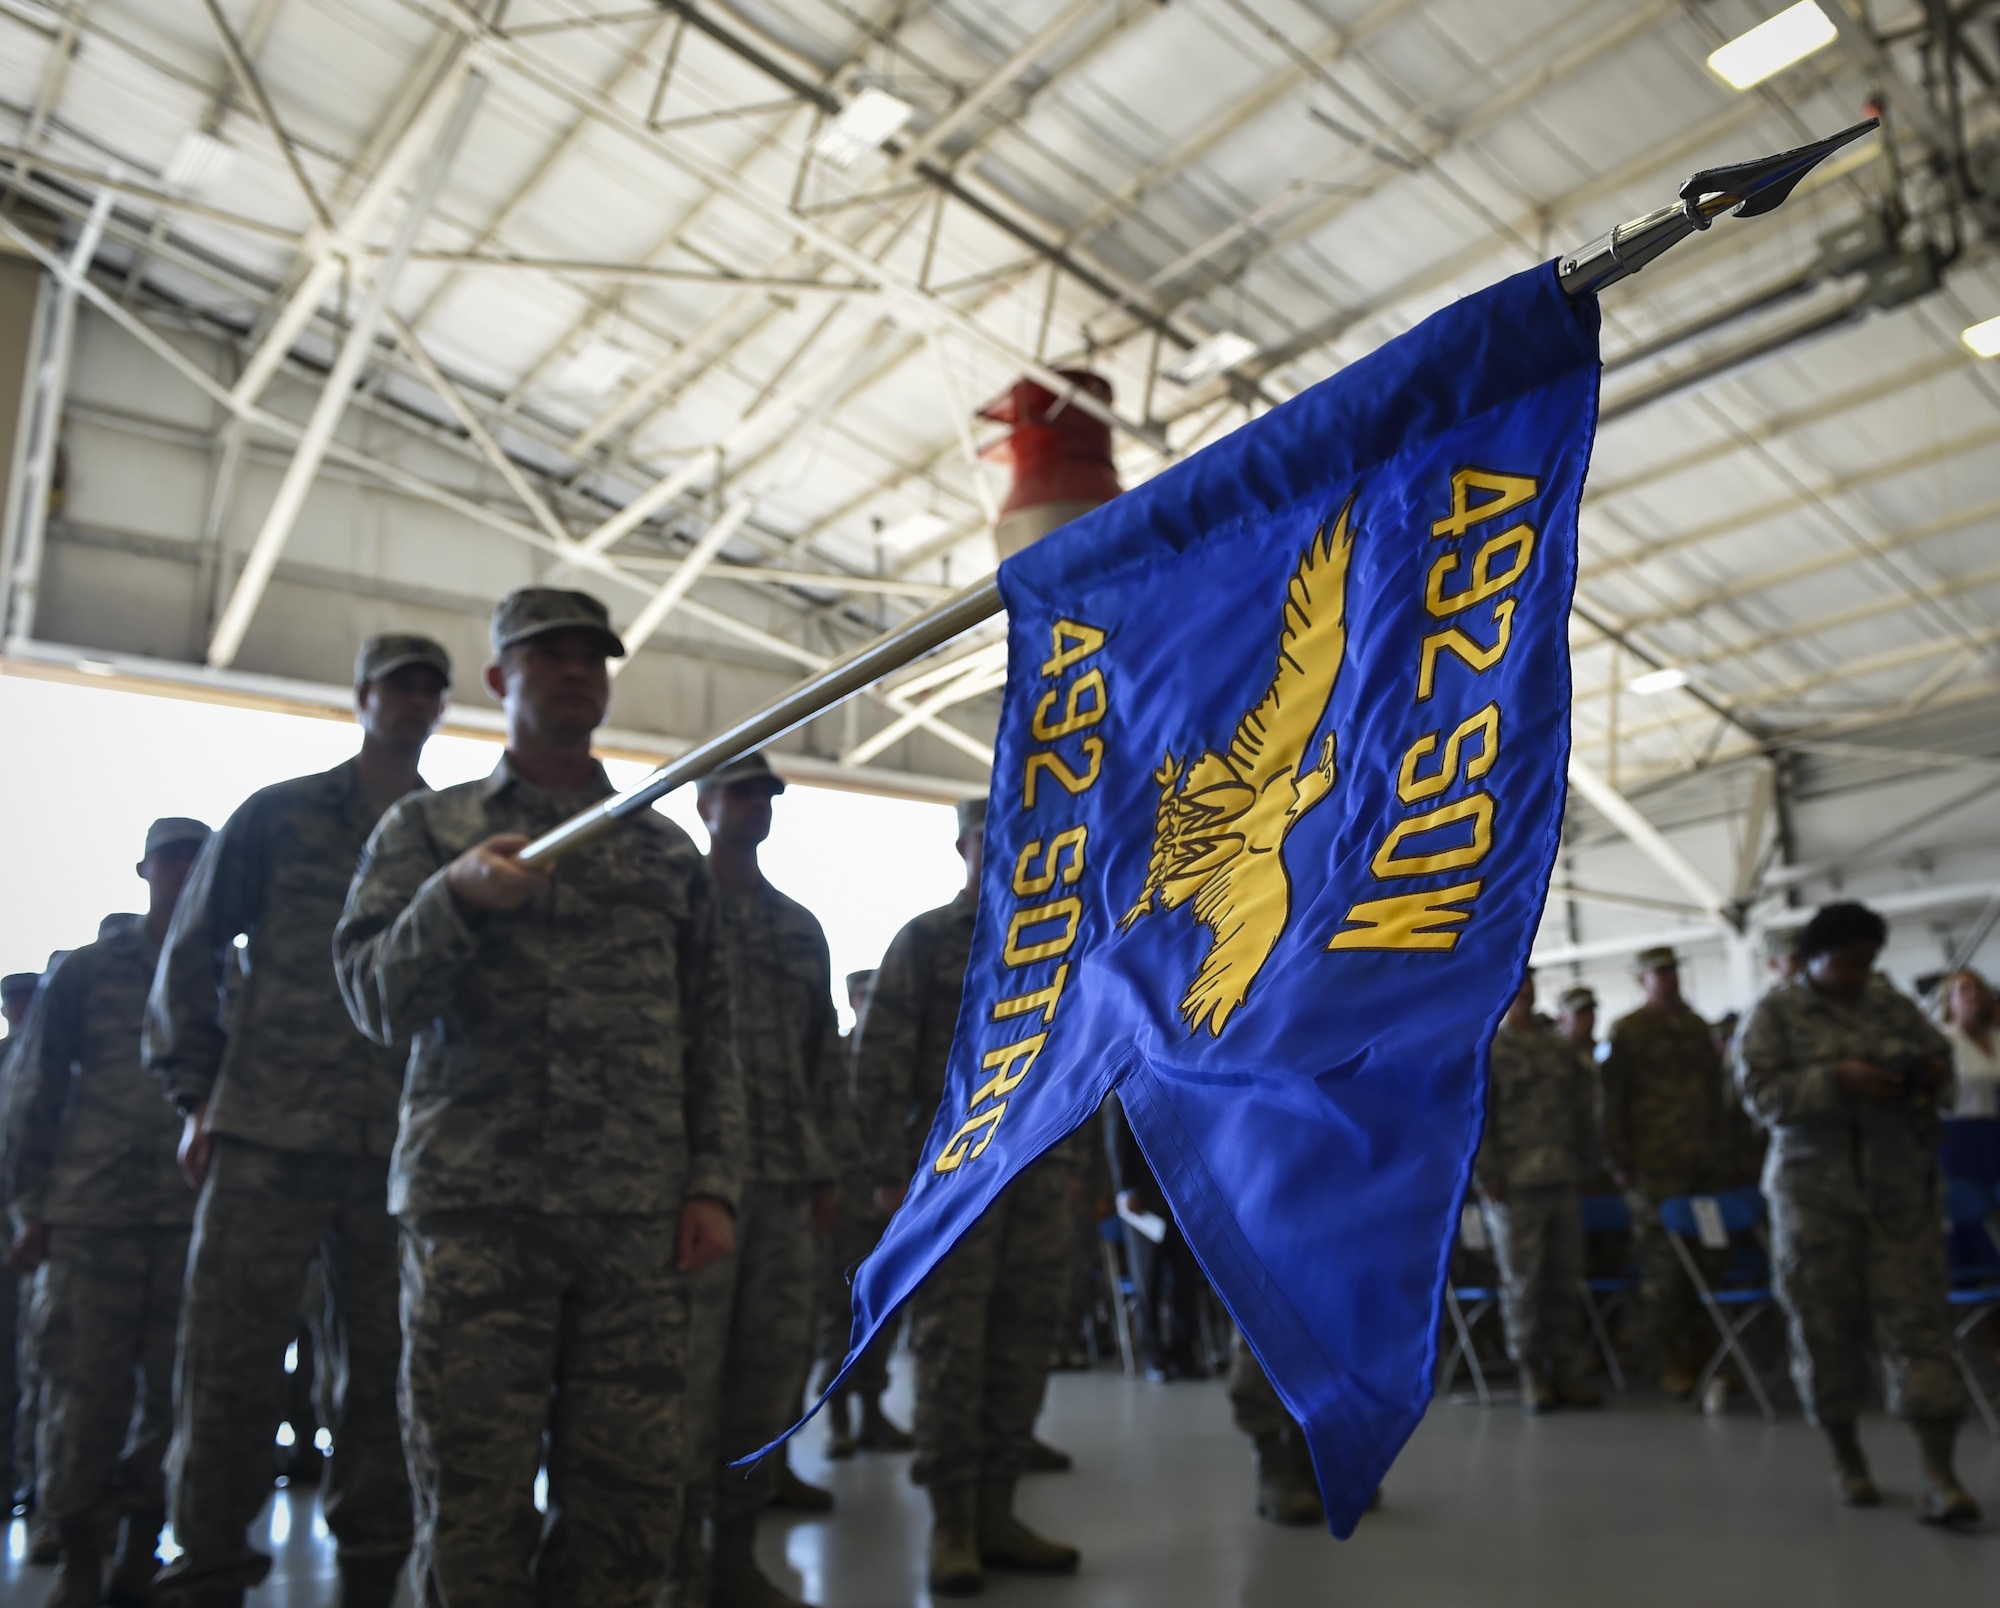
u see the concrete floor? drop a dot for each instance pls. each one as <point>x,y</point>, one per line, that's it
<point>1636,1506</point>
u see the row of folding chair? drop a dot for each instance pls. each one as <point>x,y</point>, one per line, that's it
<point>1721,1241</point>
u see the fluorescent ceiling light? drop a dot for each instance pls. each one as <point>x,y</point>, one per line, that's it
<point>1772,46</point>
<point>1657,681</point>
<point>595,369</point>
<point>913,530</point>
<point>1218,354</point>
<point>1984,339</point>
<point>864,123</point>
<point>198,161</point>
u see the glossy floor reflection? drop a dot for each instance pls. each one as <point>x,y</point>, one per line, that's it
<point>1631,1508</point>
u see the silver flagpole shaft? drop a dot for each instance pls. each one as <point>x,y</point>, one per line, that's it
<point>837,682</point>
<point>1750,187</point>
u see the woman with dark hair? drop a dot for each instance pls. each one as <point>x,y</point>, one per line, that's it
<point>1848,1076</point>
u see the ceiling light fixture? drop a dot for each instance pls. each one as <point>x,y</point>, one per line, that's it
<point>912,530</point>
<point>1773,45</point>
<point>864,124</point>
<point>198,161</point>
<point>1983,339</point>
<point>1220,353</point>
<point>1664,680</point>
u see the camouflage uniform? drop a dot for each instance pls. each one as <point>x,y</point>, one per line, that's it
<point>303,1110</point>
<point>90,1152</point>
<point>1663,1095</point>
<point>1540,1144</point>
<point>753,1314</point>
<point>983,1322</point>
<point>571,1084</point>
<point>1857,1200</point>
<point>857,1229</point>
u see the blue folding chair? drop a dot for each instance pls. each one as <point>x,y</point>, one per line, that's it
<point>1742,1293</point>
<point>1604,1216</point>
<point>1465,1304</point>
<point>1974,1212</point>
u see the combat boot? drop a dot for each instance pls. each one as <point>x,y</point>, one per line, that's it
<point>1538,1395</point>
<point>79,1581</point>
<point>1573,1390</point>
<point>1946,1502</point>
<point>1286,1490</point>
<point>370,1582</point>
<point>797,1495</point>
<point>133,1565</point>
<point>840,1444</point>
<point>1006,1543</point>
<point>1046,1459</point>
<point>954,1569</point>
<point>734,1579</point>
<point>1850,1468</point>
<point>879,1432</point>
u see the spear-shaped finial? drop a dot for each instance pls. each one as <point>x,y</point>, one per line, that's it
<point>1752,188</point>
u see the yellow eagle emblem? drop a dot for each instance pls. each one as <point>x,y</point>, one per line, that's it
<point>1220,826</point>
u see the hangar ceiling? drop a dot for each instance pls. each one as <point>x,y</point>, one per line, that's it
<point>693,302</point>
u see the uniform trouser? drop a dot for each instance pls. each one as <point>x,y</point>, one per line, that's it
<point>982,1326</point>
<point>264,1216</point>
<point>27,1392</point>
<point>1252,1401</point>
<point>856,1233</point>
<point>1168,1283</point>
<point>531,1341</point>
<point>1537,1236</point>
<point>1680,1334</point>
<point>1844,1270</point>
<point>106,1306</point>
<point>10,1303</point>
<point>750,1348</point>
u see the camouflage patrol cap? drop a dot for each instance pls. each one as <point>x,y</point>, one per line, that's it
<point>1780,943</point>
<point>531,611</point>
<point>860,981</point>
<point>1578,999</point>
<point>1655,958</point>
<point>171,829</point>
<point>752,767</point>
<point>389,651</point>
<point>971,816</point>
<point>15,984</point>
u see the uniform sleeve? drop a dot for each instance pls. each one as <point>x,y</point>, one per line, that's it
<point>183,1039</point>
<point>39,1081</point>
<point>1775,1085</point>
<point>717,1121</point>
<point>833,1103</point>
<point>1490,1165</point>
<point>1615,1085</point>
<point>885,1056</point>
<point>402,942</point>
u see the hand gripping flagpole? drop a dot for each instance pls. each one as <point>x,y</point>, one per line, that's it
<point>1750,188</point>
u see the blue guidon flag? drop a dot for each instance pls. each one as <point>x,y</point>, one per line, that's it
<point>1278,788</point>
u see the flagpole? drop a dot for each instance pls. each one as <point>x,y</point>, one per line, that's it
<point>1751,188</point>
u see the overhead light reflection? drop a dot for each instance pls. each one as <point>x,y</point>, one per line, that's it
<point>1983,339</point>
<point>1653,681</point>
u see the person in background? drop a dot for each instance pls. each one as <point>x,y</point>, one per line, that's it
<point>1167,1280</point>
<point>1848,1076</point>
<point>1975,1046</point>
<point>857,1229</point>
<point>983,1323</point>
<point>751,1347</point>
<point>1541,1142</point>
<point>1576,1020</point>
<point>1781,953</point>
<point>17,1408</point>
<point>289,1114</point>
<point>1663,1097</point>
<point>92,1186</point>
<point>571,1144</point>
